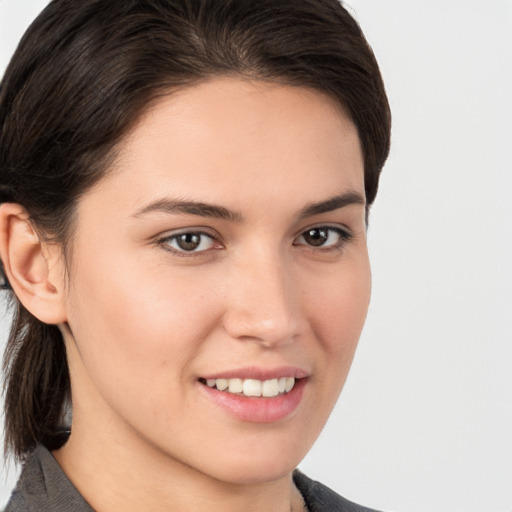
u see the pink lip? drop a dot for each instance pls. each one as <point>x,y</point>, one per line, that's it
<point>257,410</point>
<point>253,372</point>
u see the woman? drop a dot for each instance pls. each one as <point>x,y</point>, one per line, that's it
<point>185,187</point>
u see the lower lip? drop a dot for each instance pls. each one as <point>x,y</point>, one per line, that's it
<point>258,409</point>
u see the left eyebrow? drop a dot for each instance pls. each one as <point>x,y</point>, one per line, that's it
<point>333,203</point>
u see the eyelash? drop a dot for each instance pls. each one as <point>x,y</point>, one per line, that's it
<point>343,235</point>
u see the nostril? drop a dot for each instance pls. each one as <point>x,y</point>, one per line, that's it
<point>267,332</point>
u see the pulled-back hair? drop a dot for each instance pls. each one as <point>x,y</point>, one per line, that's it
<point>84,73</point>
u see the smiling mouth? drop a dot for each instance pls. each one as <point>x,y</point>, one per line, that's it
<point>252,387</point>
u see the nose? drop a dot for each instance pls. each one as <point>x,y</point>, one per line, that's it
<point>263,306</point>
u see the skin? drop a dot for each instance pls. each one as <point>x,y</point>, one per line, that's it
<point>142,323</point>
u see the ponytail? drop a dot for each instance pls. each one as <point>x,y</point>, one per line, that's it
<point>36,384</point>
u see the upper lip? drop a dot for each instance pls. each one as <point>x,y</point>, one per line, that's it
<point>258,373</point>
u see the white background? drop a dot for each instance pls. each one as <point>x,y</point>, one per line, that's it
<point>425,421</point>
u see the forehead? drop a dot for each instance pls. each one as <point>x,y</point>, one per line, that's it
<point>225,135</point>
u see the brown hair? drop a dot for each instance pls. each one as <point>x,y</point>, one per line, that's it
<point>83,74</point>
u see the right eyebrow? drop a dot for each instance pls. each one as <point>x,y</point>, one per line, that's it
<point>172,206</point>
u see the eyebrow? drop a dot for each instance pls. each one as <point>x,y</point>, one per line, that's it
<point>333,203</point>
<point>171,206</point>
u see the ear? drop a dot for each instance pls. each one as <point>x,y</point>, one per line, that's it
<point>34,269</point>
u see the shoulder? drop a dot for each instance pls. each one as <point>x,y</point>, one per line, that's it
<point>319,498</point>
<point>43,487</point>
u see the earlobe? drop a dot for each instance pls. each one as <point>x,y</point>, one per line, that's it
<point>32,267</point>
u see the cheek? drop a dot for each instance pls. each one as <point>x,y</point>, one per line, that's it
<point>337,323</point>
<point>136,326</point>
<point>341,311</point>
<point>133,338</point>
<point>337,312</point>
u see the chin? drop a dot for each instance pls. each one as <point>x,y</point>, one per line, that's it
<point>259,463</point>
<point>246,473</point>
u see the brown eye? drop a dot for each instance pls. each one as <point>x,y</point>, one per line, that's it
<point>189,242</point>
<point>316,236</point>
<point>324,237</point>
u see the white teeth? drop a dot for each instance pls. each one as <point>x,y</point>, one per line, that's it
<point>253,387</point>
<point>235,385</point>
<point>290,382</point>
<point>270,388</point>
<point>221,384</point>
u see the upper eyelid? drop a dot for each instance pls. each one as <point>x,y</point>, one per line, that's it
<point>340,228</point>
<point>200,230</point>
<point>172,235</point>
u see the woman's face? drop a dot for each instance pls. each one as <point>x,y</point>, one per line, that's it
<point>226,247</point>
